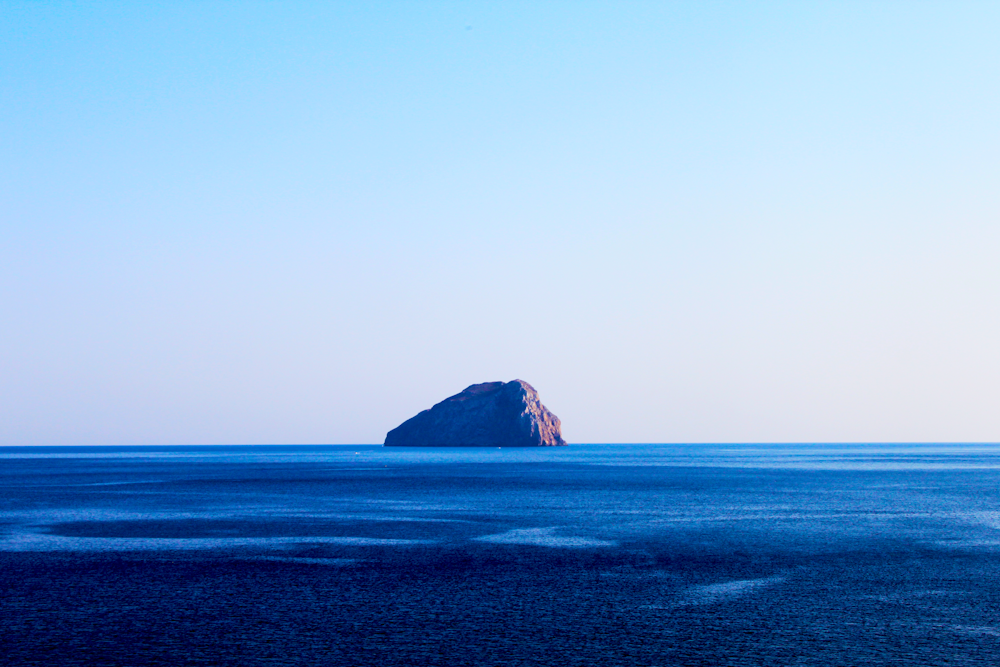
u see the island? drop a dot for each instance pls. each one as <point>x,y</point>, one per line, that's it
<point>491,414</point>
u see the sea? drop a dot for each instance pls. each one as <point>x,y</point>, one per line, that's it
<point>706,554</point>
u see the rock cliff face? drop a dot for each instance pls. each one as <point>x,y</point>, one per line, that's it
<point>492,414</point>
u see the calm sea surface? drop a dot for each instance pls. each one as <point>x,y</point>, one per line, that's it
<point>586,555</point>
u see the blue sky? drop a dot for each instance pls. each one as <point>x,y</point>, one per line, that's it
<point>305,222</point>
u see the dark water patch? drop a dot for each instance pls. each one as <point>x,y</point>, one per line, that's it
<point>487,605</point>
<point>401,529</point>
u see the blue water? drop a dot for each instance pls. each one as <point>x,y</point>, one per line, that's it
<point>590,554</point>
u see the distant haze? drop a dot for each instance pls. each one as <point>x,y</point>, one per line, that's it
<point>681,222</point>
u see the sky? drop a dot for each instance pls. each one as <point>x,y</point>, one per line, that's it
<point>303,222</point>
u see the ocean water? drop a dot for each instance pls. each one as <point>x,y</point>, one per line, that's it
<point>585,555</point>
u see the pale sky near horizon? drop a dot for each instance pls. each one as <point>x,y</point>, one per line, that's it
<point>681,222</point>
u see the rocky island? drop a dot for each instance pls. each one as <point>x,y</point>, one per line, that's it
<point>491,414</point>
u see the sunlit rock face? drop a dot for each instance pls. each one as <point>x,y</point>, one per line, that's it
<point>491,414</point>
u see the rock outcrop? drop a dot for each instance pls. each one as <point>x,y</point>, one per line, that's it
<point>492,414</point>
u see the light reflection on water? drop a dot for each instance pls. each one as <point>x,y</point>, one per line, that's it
<point>818,456</point>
